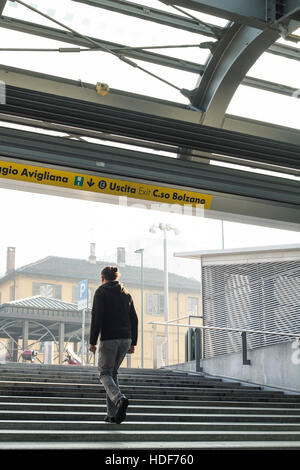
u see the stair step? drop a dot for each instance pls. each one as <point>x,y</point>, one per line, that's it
<point>125,436</point>
<point>15,384</point>
<point>151,445</point>
<point>30,396</point>
<point>95,374</point>
<point>35,425</point>
<point>83,386</point>
<point>225,416</point>
<point>207,401</point>
<point>43,405</point>
<point>166,401</point>
<point>123,382</point>
<point>33,407</point>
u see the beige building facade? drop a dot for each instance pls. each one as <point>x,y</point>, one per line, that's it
<point>58,278</point>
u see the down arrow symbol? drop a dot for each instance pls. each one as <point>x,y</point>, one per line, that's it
<point>90,183</point>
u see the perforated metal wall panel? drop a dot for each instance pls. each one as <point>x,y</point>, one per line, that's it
<point>257,296</point>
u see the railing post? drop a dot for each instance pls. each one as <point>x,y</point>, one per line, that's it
<point>128,357</point>
<point>95,361</point>
<point>25,335</point>
<point>246,361</point>
<point>198,350</point>
<point>154,346</point>
<point>189,341</point>
<point>61,342</point>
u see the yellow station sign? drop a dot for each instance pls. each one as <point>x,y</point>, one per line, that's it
<point>101,184</point>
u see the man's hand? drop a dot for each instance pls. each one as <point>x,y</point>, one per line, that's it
<point>131,350</point>
<point>92,348</point>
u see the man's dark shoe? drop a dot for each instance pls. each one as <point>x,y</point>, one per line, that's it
<point>121,410</point>
<point>107,419</point>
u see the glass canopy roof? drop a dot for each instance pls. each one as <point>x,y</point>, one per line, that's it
<point>94,66</point>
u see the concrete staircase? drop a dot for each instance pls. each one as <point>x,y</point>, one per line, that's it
<point>64,406</point>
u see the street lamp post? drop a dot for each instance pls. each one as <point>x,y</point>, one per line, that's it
<point>166,294</point>
<point>141,252</point>
<point>222,226</point>
<point>165,228</point>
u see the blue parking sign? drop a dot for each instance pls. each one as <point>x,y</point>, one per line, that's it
<point>83,294</point>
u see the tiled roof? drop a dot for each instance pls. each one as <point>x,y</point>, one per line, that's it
<point>41,302</point>
<point>78,269</point>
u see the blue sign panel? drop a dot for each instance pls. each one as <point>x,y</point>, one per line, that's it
<point>83,294</point>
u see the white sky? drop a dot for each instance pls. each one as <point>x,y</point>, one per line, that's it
<point>40,225</point>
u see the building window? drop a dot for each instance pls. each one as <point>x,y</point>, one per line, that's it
<point>51,291</point>
<point>192,305</point>
<point>155,304</point>
<point>164,352</point>
<point>12,292</point>
<point>74,294</point>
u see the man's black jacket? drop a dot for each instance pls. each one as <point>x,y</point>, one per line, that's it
<point>113,314</point>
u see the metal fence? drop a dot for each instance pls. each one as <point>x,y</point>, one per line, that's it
<point>251,296</point>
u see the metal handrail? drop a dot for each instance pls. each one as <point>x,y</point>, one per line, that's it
<point>243,333</point>
<point>180,318</point>
<point>228,329</point>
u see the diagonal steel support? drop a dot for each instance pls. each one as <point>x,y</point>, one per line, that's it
<point>103,46</point>
<point>68,37</point>
<point>2,5</point>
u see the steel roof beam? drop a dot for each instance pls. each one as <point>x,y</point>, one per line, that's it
<point>252,13</point>
<point>259,14</point>
<point>180,22</point>
<point>289,52</point>
<point>158,16</point>
<point>94,116</point>
<point>272,87</point>
<point>234,10</point>
<point>134,102</point>
<point>233,56</point>
<point>65,36</point>
<point>237,195</point>
<point>85,92</point>
<point>261,129</point>
<point>233,123</point>
<point>68,37</point>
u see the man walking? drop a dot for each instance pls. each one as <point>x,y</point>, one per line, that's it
<point>115,318</point>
